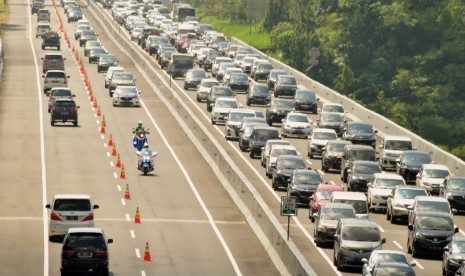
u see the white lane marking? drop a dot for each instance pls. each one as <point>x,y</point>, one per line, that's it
<point>196,193</point>
<point>128,218</point>
<point>42,148</point>
<point>398,245</point>
<point>123,202</point>
<point>137,253</point>
<point>461,232</point>
<point>115,175</point>
<point>118,187</point>
<point>103,137</point>
<point>418,264</point>
<point>111,164</point>
<point>381,228</point>
<point>105,145</point>
<point>142,273</point>
<point>332,182</point>
<point>108,154</point>
<point>133,234</point>
<point>98,122</point>
<point>320,172</point>
<point>309,162</point>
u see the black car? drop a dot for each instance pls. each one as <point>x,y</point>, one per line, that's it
<point>210,58</point>
<point>273,77</point>
<point>238,82</point>
<point>332,155</point>
<point>52,40</point>
<point>218,91</point>
<point>156,42</point>
<point>453,256</point>
<point>74,15</point>
<point>305,100</point>
<point>95,54</point>
<point>193,78</point>
<point>258,138</point>
<point>105,61</point>
<point>454,191</point>
<point>262,71</point>
<point>327,218</point>
<point>285,165</point>
<point>390,268</point>
<point>360,133</point>
<point>286,85</point>
<point>164,58</point>
<point>409,163</point>
<point>85,250</point>
<point>64,110</point>
<point>277,110</point>
<point>360,173</point>
<point>303,183</point>
<point>258,94</point>
<point>331,120</point>
<point>430,233</point>
<point>86,36</point>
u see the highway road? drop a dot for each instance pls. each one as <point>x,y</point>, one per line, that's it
<point>189,219</point>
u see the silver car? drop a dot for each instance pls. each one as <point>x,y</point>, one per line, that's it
<point>234,121</point>
<point>109,74</point>
<point>123,79</point>
<point>126,96</point>
<point>55,78</point>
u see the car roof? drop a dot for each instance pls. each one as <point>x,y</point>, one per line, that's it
<point>393,264</point>
<point>385,175</point>
<point>364,162</point>
<point>267,127</point>
<point>340,142</point>
<point>337,205</point>
<point>287,156</point>
<point>383,251</point>
<point>60,88</point>
<point>71,196</point>
<point>410,188</point>
<point>226,99</point>
<point>323,130</point>
<point>330,187</point>
<point>435,166</point>
<point>433,214</point>
<point>349,195</point>
<point>360,123</point>
<point>358,222</point>
<point>242,111</point>
<point>431,198</point>
<point>85,230</point>
<point>352,146</point>
<point>282,146</point>
<point>415,152</point>
<point>397,138</point>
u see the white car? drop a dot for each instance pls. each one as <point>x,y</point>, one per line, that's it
<point>380,187</point>
<point>234,121</point>
<point>296,125</point>
<point>431,177</point>
<point>126,96</point>
<point>110,72</point>
<point>332,107</point>
<point>266,150</point>
<point>220,110</point>
<point>391,147</point>
<point>204,88</point>
<point>229,72</point>
<point>400,198</point>
<point>275,151</point>
<point>70,211</point>
<point>319,139</point>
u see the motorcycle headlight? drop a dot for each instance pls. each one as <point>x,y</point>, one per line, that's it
<point>146,158</point>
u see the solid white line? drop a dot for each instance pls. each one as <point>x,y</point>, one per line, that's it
<point>111,164</point>
<point>381,228</point>
<point>419,265</point>
<point>115,175</point>
<point>398,245</point>
<point>42,147</point>
<point>196,193</point>
<point>142,273</point>
<point>128,218</point>
<point>123,202</point>
<point>133,235</point>
<point>118,187</point>
<point>137,253</point>
<point>332,182</point>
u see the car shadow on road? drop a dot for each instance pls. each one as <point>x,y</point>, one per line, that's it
<point>11,27</point>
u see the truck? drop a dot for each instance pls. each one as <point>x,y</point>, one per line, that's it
<point>180,64</point>
<point>181,10</point>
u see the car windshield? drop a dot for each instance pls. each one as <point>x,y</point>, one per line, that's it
<point>98,51</point>
<point>417,158</point>
<point>361,233</point>
<point>209,83</point>
<point>435,223</point>
<point>93,241</point>
<point>65,104</point>
<point>360,206</point>
<point>387,183</point>
<point>59,75</point>
<point>278,152</point>
<point>397,145</point>
<point>283,104</point>
<point>433,206</point>
<point>333,108</point>
<point>93,43</point>
<point>394,270</point>
<point>260,90</point>
<point>436,173</point>
<point>337,213</point>
<point>324,136</point>
<point>388,257</point>
<point>226,104</point>
<point>360,155</point>
<point>360,128</point>
<point>325,195</point>
<point>198,73</point>
<point>332,117</point>
<point>123,77</point>
<point>88,33</point>
<point>108,58</point>
<point>223,91</point>
<point>265,66</point>
<point>309,177</point>
<point>265,134</point>
<point>248,60</point>
<point>84,28</point>
<point>458,246</point>
<point>239,77</point>
<point>126,90</point>
<point>61,93</point>
<point>238,116</point>
<point>307,96</point>
<point>297,118</point>
<point>410,193</point>
<point>294,163</point>
<point>336,147</point>
<point>77,205</point>
<point>366,168</point>
<point>287,80</point>
<point>456,184</point>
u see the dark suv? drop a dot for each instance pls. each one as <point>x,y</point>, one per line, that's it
<point>84,250</point>
<point>258,138</point>
<point>305,100</point>
<point>51,39</point>
<point>277,110</point>
<point>332,155</point>
<point>360,173</point>
<point>64,110</point>
<point>286,85</point>
<point>409,163</point>
<point>218,91</point>
<point>360,133</point>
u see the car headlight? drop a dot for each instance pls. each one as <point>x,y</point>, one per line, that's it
<point>449,196</point>
<point>426,183</point>
<point>116,95</point>
<point>419,237</point>
<point>456,259</point>
<point>278,171</point>
<point>313,146</point>
<point>321,228</point>
<point>398,205</point>
<point>450,238</point>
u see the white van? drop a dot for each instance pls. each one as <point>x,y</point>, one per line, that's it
<point>357,199</point>
<point>391,148</point>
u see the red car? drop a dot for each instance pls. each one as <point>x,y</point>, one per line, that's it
<point>322,195</point>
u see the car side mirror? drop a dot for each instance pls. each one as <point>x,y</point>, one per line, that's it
<point>383,240</point>
<point>349,170</point>
<point>380,146</point>
<point>369,185</point>
<point>96,206</point>
<point>336,237</point>
<point>446,249</point>
<point>410,207</point>
<point>67,77</point>
<point>376,131</point>
<point>47,206</point>
<point>73,95</point>
<point>64,58</point>
<point>456,229</point>
<point>42,58</point>
<point>110,241</point>
<point>410,227</point>
<point>398,160</point>
<point>78,106</point>
<point>315,216</point>
<point>413,263</point>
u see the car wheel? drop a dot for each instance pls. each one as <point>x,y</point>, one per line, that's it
<point>106,85</point>
<point>409,250</point>
<point>43,47</point>
<point>252,154</point>
<point>241,147</point>
<point>393,218</point>
<point>75,123</point>
<point>186,87</point>
<point>52,123</point>
<point>414,252</point>
<point>325,168</point>
<point>98,70</point>
<point>247,102</point>
<point>388,215</point>
<point>283,135</point>
<point>275,187</point>
<point>213,122</point>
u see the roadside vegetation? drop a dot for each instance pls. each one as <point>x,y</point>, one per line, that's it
<point>401,58</point>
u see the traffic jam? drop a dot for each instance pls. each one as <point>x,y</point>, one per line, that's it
<point>370,203</point>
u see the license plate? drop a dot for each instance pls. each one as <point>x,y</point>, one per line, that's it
<point>298,131</point>
<point>84,254</point>
<point>71,217</point>
<point>64,113</point>
<point>435,248</point>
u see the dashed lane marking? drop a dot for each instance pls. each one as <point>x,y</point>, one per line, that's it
<point>137,253</point>
<point>133,234</point>
<point>419,265</point>
<point>128,218</point>
<point>123,202</point>
<point>398,245</point>
<point>118,187</point>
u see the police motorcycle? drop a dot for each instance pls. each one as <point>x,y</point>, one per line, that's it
<point>145,162</point>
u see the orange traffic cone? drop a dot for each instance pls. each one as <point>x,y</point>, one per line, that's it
<point>99,113</point>
<point>110,141</point>
<point>147,257</point>
<point>122,174</point>
<point>127,195</point>
<point>137,218</point>
<point>113,151</point>
<point>91,95</point>
<point>102,129</point>
<point>118,162</point>
<point>95,103</point>
<point>104,123</point>
<point>72,50</point>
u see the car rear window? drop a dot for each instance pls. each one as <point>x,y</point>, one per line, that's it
<point>53,57</point>
<point>61,93</point>
<point>65,104</point>
<point>56,75</point>
<point>89,240</point>
<point>72,204</point>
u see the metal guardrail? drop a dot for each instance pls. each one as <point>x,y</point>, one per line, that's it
<point>361,113</point>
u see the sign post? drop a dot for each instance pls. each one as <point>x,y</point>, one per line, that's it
<point>289,209</point>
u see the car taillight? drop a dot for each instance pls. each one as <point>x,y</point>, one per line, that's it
<point>99,253</point>
<point>54,216</point>
<point>89,217</point>
<point>68,253</point>
<point>56,111</point>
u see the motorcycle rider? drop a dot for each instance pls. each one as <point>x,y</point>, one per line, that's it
<point>140,128</point>
<point>145,151</point>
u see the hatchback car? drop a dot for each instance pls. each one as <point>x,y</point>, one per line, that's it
<point>85,250</point>
<point>68,211</point>
<point>277,110</point>
<point>193,78</point>
<point>306,100</point>
<point>318,139</point>
<point>286,86</point>
<point>55,78</point>
<point>332,107</point>
<point>126,96</point>
<point>326,220</point>
<point>302,185</point>
<point>238,82</point>
<point>409,163</point>
<point>400,199</point>
<point>58,93</point>
<point>105,61</point>
<point>296,125</point>
<point>359,173</point>
<point>379,189</point>
<point>285,165</point>
<point>258,94</point>
<point>95,54</point>
<point>360,133</point>
<point>43,15</point>
<point>261,71</point>
<point>322,195</point>
<point>64,110</point>
<point>273,77</point>
<point>42,28</point>
<point>52,61</point>
<point>431,177</point>
<point>258,138</point>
